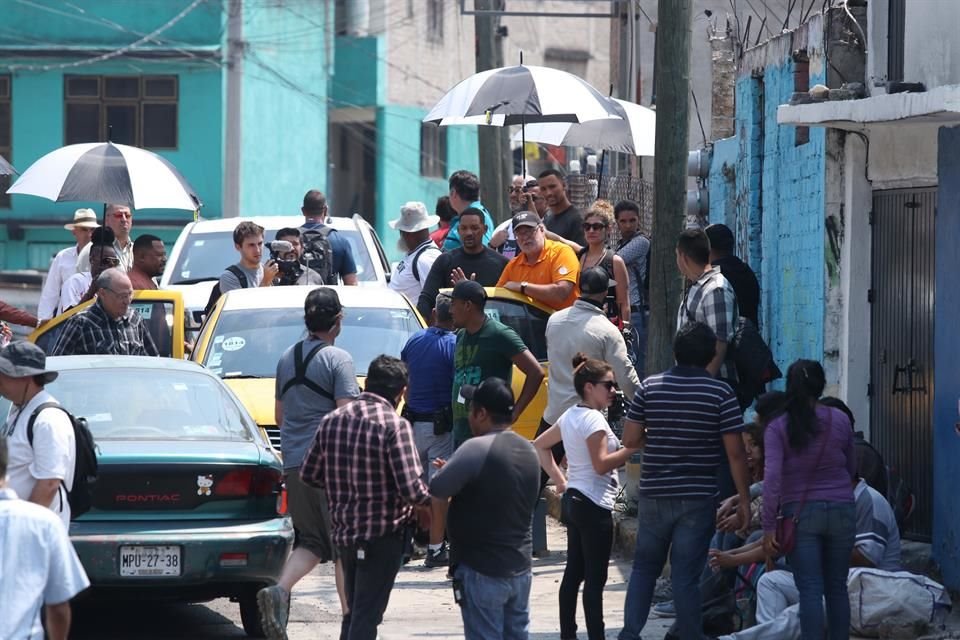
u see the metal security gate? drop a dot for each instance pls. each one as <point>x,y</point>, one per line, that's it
<point>901,372</point>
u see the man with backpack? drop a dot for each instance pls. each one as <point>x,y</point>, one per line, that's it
<point>634,249</point>
<point>314,377</point>
<point>41,468</point>
<point>738,273</point>
<point>248,241</point>
<point>324,250</point>
<point>414,226</point>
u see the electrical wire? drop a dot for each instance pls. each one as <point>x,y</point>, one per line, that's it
<point>150,37</point>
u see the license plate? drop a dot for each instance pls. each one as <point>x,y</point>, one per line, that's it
<point>137,561</point>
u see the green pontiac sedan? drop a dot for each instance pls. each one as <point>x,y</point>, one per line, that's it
<point>187,504</point>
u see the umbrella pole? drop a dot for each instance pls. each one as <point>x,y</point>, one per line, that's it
<point>603,156</point>
<point>523,148</point>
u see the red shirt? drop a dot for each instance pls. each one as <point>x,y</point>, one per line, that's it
<point>440,234</point>
<point>140,280</point>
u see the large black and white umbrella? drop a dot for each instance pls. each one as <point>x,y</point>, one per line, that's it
<point>6,169</point>
<point>109,173</point>
<point>521,95</point>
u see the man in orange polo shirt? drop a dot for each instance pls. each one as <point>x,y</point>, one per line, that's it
<point>545,270</point>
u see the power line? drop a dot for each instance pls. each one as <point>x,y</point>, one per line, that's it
<point>150,37</point>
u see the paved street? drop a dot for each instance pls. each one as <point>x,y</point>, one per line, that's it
<point>421,607</point>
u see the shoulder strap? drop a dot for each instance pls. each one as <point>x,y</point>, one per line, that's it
<point>241,276</point>
<point>300,372</point>
<point>416,258</point>
<point>36,412</point>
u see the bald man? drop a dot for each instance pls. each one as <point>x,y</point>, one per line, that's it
<point>109,326</point>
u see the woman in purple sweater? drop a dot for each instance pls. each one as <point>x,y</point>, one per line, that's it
<point>808,470</point>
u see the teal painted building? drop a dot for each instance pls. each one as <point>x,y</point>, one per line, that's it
<point>381,154</point>
<point>155,73</point>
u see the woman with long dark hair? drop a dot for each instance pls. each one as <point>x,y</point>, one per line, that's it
<point>809,465</point>
<point>590,488</point>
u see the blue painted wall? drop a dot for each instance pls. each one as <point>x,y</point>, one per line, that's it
<point>773,192</point>
<point>398,165</point>
<point>285,104</point>
<point>359,77</point>
<point>946,346</point>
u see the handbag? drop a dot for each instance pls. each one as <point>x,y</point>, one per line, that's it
<point>787,525</point>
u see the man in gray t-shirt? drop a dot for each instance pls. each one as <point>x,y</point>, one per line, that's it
<point>248,241</point>
<point>314,377</point>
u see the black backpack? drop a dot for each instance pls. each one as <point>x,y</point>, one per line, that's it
<point>80,495</point>
<point>300,372</point>
<point>318,252</point>
<point>754,360</point>
<point>215,293</point>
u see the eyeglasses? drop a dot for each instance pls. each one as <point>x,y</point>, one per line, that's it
<point>120,215</point>
<point>594,226</point>
<point>514,189</point>
<point>121,296</point>
<point>109,262</point>
<point>609,384</point>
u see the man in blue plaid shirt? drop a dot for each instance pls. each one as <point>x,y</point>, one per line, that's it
<point>710,300</point>
<point>109,326</point>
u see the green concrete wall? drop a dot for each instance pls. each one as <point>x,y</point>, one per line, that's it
<point>398,166</point>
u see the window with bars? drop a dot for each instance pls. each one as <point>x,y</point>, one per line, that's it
<point>433,150</point>
<point>6,136</point>
<point>140,111</point>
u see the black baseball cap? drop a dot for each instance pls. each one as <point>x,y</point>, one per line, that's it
<point>493,394</point>
<point>323,302</point>
<point>469,291</point>
<point>595,280</point>
<point>526,219</point>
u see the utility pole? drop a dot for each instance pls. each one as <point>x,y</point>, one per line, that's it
<point>496,160</point>
<point>234,113</point>
<point>672,59</point>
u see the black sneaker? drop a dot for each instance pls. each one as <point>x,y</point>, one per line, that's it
<point>439,558</point>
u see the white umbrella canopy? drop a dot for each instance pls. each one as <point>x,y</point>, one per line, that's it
<point>109,173</point>
<point>520,95</point>
<point>633,133</point>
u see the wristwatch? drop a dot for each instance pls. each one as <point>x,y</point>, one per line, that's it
<point>523,287</point>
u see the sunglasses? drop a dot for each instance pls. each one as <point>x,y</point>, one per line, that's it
<point>594,226</point>
<point>110,262</point>
<point>514,189</point>
<point>609,384</point>
<point>121,215</point>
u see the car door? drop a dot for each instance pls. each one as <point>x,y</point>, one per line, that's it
<point>163,313</point>
<point>374,247</point>
<point>529,320</point>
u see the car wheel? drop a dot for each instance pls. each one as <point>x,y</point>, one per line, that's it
<point>250,615</point>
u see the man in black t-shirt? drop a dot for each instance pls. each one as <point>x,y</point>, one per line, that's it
<point>471,261</point>
<point>736,271</point>
<point>562,218</point>
<point>493,482</point>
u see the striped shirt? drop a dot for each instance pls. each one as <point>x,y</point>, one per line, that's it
<point>365,457</point>
<point>685,412</point>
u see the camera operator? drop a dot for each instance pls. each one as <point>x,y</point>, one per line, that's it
<point>530,199</point>
<point>287,250</point>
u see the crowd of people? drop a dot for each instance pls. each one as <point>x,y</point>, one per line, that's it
<point>362,478</point>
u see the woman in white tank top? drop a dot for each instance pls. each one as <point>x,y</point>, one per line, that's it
<point>589,490</point>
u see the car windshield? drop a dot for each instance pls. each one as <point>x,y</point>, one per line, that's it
<point>528,321</point>
<point>249,342</point>
<point>151,404</point>
<point>206,255</point>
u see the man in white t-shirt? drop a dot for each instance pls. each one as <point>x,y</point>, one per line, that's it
<point>64,263</point>
<point>414,226</point>
<point>38,568</point>
<point>40,471</point>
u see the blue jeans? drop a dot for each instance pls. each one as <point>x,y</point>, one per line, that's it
<point>494,608</point>
<point>820,561</point>
<point>637,349</point>
<point>684,527</point>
